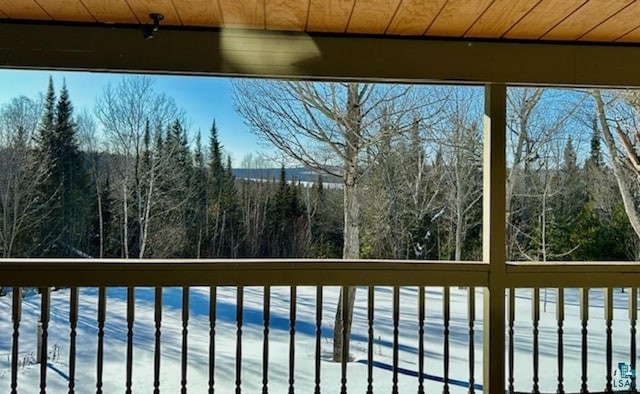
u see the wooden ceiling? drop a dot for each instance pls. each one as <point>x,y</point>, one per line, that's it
<point>555,20</point>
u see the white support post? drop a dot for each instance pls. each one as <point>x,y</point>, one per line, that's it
<point>494,231</point>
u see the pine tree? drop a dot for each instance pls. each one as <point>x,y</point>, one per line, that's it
<point>45,134</point>
<point>566,200</point>
<point>277,228</point>
<point>286,220</point>
<point>216,169</point>
<point>570,162</point>
<point>326,227</point>
<point>595,155</point>
<point>216,211</point>
<point>198,228</point>
<point>224,209</point>
<point>72,176</point>
<point>233,212</point>
<point>48,190</point>
<point>104,243</point>
<point>174,171</point>
<point>180,165</point>
<point>64,231</point>
<point>601,231</point>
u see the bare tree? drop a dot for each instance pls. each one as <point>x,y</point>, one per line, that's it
<point>547,187</point>
<point>401,192</point>
<point>91,144</point>
<point>255,201</point>
<point>126,112</point>
<point>329,127</point>
<point>20,174</point>
<point>536,117</point>
<point>622,112</point>
<point>460,138</point>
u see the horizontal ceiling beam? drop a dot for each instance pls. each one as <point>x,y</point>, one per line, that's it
<point>298,55</point>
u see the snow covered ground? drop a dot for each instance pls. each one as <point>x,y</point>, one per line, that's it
<point>252,341</point>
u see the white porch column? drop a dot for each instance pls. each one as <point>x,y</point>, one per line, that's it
<point>493,241</point>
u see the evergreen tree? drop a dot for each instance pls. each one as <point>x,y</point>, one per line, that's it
<point>233,212</point>
<point>180,165</point>
<point>175,191</point>
<point>566,200</point>
<point>71,172</point>
<point>216,169</point>
<point>601,230</point>
<point>102,230</point>
<point>603,191</point>
<point>595,154</point>
<point>326,227</point>
<point>286,221</point>
<point>255,197</point>
<point>48,189</point>
<point>46,132</point>
<point>216,210</point>
<point>198,227</point>
<point>570,160</point>
<point>224,209</point>
<point>603,239</point>
<point>176,147</point>
<point>64,231</point>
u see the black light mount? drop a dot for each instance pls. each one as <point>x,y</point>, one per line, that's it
<point>156,18</point>
<point>148,30</point>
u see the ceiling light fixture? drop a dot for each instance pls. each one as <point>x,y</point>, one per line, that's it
<point>148,30</point>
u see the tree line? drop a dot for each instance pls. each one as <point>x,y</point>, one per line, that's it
<point>130,181</point>
<point>141,190</point>
<point>412,156</point>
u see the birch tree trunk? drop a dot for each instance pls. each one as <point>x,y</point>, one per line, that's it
<point>125,112</point>
<point>625,192</point>
<point>327,127</point>
<point>125,219</point>
<point>351,250</point>
<point>20,175</point>
<point>534,121</point>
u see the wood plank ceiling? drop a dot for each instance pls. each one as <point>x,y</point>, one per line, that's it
<point>556,20</point>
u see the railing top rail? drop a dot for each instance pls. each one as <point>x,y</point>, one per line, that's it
<point>240,261</point>
<point>562,265</point>
<point>256,272</point>
<point>573,274</point>
<point>283,272</point>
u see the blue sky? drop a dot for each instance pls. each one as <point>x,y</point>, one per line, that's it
<point>203,98</point>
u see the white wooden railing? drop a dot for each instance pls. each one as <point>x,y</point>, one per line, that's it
<point>463,279</point>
